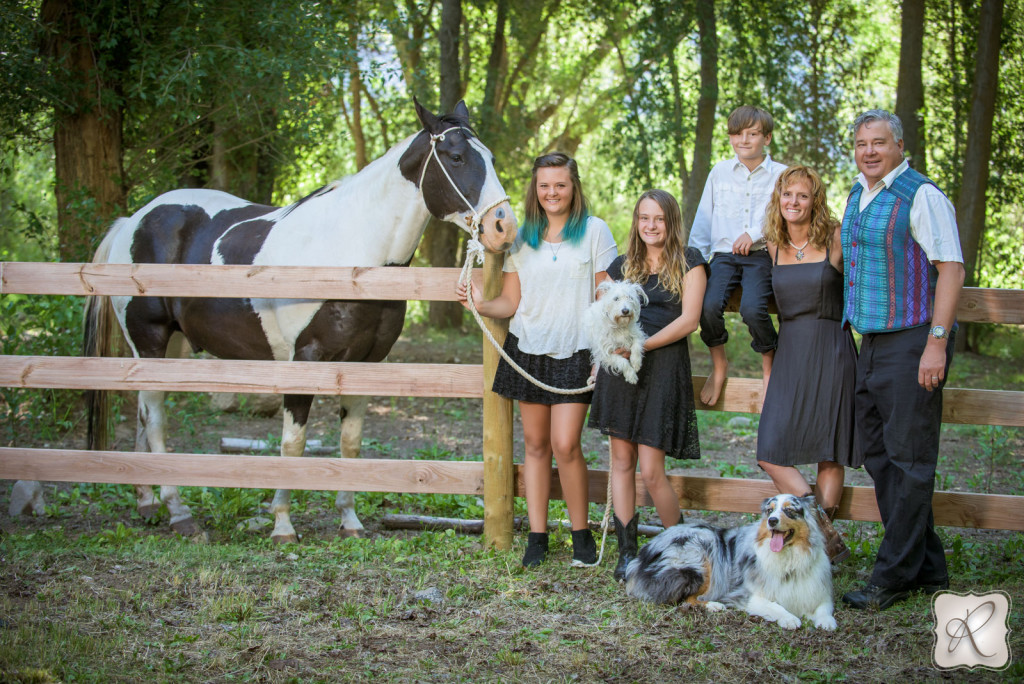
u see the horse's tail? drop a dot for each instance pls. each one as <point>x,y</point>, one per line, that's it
<point>100,338</point>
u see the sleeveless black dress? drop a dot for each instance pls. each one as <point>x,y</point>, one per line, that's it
<point>659,410</point>
<point>808,406</point>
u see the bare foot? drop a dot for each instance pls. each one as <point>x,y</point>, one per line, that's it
<point>712,389</point>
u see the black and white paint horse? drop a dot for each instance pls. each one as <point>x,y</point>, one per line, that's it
<point>374,218</point>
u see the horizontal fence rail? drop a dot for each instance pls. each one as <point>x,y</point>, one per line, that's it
<point>219,375</point>
<point>267,282</point>
<point>735,495</point>
<point>331,282</point>
<point>964,406</point>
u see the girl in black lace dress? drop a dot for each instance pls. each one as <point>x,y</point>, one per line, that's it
<point>655,416</point>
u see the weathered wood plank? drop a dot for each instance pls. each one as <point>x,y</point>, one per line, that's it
<point>990,305</point>
<point>183,280</point>
<point>324,282</point>
<point>977,304</point>
<point>256,472</point>
<point>960,509</point>
<point>736,495</point>
<point>218,375</point>
<point>959,405</point>
<point>499,479</point>
<point>964,406</point>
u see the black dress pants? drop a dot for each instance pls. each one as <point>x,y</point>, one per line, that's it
<point>898,423</point>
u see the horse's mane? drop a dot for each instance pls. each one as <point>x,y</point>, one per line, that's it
<point>447,119</point>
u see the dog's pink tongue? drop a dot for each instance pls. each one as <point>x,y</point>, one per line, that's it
<point>776,543</point>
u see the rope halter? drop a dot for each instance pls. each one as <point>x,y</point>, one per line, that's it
<point>478,216</point>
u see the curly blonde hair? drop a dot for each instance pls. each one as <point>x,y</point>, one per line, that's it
<point>673,266</point>
<point>823,221</point>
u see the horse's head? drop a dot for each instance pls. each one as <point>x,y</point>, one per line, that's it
<point>455,173</point>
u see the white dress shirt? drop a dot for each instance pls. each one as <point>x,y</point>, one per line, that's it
<point>733,202</point>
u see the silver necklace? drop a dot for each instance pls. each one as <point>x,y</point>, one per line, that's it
<point>800,249</point>
<point>554,251</point>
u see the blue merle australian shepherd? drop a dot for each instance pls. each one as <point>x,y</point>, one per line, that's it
<point>775,568</point>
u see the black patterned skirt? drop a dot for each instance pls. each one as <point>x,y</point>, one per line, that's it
<point>567,373</point>
<point>658,411</point>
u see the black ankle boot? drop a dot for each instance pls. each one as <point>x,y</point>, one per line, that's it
<point>627,545</point>
<point>584,548</point>
<point>536,549</point>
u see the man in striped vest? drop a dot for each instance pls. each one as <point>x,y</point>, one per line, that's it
<point>904,271</point>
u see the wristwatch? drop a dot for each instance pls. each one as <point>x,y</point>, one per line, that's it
<point>938,332</point>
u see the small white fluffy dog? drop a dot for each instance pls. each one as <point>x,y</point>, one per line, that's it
<point>612,322</point>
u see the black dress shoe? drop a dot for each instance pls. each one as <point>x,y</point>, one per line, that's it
<point>874,597</point>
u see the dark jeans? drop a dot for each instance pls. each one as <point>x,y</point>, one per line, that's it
<point>753,273</point>
<point>898,425</point>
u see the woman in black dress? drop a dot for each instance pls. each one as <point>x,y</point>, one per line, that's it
<point>808,408</point>
<point>655,416</point>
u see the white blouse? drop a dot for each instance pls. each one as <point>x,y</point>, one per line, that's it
<point>557,285</point>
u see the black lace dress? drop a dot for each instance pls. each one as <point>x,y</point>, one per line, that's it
<point>808,406</point>
<point>659,410</point>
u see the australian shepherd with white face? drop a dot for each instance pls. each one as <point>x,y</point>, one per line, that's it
<point>775,568</point>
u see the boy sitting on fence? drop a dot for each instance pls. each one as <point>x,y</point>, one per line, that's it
<point>727,231</point>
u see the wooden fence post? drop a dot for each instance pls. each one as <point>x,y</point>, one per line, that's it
<point>499,477</point>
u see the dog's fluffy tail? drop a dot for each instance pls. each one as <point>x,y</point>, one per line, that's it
<point>671,568</point>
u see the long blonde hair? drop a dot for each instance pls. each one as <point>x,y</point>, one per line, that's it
<point>823,221</point>
<point>673,266</point>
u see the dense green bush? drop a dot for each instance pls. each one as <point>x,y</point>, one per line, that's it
<point>39,326</point>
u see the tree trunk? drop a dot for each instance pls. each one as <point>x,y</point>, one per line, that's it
<point>971,202</point>
<point>355,92</point>
<point>87,135</point>
<point>489,114</point>
<point>441,240</point>
<point>910,87</point>
<point>706,105</point>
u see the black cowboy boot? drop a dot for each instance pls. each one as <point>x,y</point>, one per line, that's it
<point>835,548</point>
<point>536,549</point>
<point>584,548</point>
<point>627,545</point>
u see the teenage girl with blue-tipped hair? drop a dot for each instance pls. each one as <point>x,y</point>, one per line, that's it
<point>550,275</point>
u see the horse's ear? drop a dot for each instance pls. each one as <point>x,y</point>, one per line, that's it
<point>461,111</point>
<point>429,121</point>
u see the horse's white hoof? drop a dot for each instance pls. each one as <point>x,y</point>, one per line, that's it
<point>345,533</point>
<point>186,527</point>
<point>284,538</point>
<point>26,498</point>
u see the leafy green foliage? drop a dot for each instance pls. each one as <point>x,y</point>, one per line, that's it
<point>39,326</point>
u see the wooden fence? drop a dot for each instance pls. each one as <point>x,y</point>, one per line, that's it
<point>495,478</point>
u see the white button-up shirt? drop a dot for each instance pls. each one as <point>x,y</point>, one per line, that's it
<point>733,203</point>
<point>932,216</point>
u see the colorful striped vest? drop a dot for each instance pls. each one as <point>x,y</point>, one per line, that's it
<point>890,284</point>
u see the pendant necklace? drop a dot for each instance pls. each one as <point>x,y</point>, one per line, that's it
<point>554,251</point>
<point>800,249</point>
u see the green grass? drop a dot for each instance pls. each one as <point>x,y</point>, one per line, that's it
<point>80,608</point>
